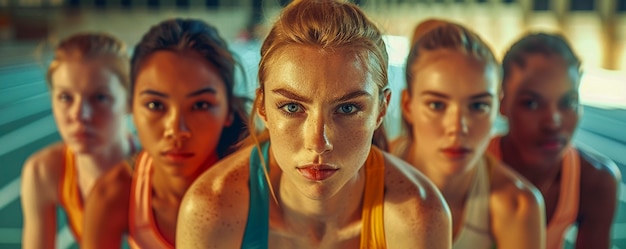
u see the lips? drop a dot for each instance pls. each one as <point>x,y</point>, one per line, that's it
<point>552,144</point>
<point>456,152</point>
<point>317,172</point>
<point>177,156</point>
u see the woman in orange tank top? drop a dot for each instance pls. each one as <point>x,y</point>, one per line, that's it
<point>187,118</point>
<point>88,80</point>
<point>541,101</point>
<point>322,98</point>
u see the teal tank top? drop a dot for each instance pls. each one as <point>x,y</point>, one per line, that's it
<point>257,227</point>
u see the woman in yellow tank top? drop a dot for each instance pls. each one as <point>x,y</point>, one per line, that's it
<point>88,81</point>
<point>317,173</point>
<point>541,102</point>
<point>448,108</point>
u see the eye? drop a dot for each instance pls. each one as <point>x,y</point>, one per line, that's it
<point>64,97</point>
<point>436,105</point>
<point>347,109</point>
<point>103,98</point>
<point>480,107</point>
<point>155,106</point>
<point>291,108</point>
<point>570,103</point>
<point>201,105</point>
<point>530,104</point>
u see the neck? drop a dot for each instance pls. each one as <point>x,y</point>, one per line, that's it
<point>173,186</point>
<point>95,164</point>
<point>536,173</point>
<point>317,217</point>
<point>454,187</point>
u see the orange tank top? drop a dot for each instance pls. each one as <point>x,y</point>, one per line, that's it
<point>569,192</point>
<point>144,232</point>
<point>70,195</point>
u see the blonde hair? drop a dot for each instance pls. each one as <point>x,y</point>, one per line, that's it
<point>83,46</point>
<point>330,26</point>
<point>433,35</point>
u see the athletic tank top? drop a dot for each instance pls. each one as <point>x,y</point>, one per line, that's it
<point>144,233</point>
<point>70,196</point>
<point>372,232</point>
<point>569,192</point>
<point>475,232</point>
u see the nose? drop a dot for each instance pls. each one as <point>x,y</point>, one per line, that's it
<point>457,122</point>
<point>553,119</point>
<point>82,110</point>
<point>176,127</point>
<point>316,135</point>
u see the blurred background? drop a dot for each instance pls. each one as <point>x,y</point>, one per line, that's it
<point>29,29</point>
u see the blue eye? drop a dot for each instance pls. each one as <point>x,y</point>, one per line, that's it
<point>291,108</point>
<point>570,104</point>
<point>347,109</point>
<point>64,97</point>
<point>155,106</point>
<point>103,98</point>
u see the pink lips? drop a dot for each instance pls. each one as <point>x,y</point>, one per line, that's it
<point>551,144</point>
<point>317,172</point>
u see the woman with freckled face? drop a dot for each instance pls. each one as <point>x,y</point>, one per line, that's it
<point>315,177</point>
<point>89,88</point>
<point>187,118</point>
<point>541,102</point>
<point>449,108</point>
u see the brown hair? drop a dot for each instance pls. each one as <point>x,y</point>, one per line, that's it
<point>84,46</point>
<point>443,35</point>
<point>329,26</point>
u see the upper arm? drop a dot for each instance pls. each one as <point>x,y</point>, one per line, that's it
<point>600,179</point>
<point>106,210</point>
<point>213,213</point>
<point>415,213</point>
<point>517,211</point>
<point>39,196</point>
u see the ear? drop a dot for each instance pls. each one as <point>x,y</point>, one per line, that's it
<point>383,106</point>
<point>405,105</point>
<point>259,105</point>
<point>229,119</point>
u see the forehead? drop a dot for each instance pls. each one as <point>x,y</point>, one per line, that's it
<point>317,72</point>
<point>454,72</point>
<point>176,71</point>
<point>84,74</point>
<point>543,74</point>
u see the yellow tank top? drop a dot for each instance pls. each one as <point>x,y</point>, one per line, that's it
<point>373,229</point>
<point>70,196</point>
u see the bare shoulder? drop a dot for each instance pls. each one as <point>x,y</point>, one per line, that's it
<point>511,194</point>
<point>44,168</point>
<point>114,186</point>
<point>214,210</point>
<point>598,172</point>
<point>414,208</point>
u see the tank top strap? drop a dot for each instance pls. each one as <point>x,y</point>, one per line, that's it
<point>567,206</point>
<point>256,234</point>
<point>70,194</point>
<point>373,229</point>
<point>144,232</point>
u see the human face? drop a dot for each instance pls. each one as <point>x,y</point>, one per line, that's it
<point>180,107</point>
<point>541,103</point>
<point>321,110</point>
<point>451,109</point>
<point>89,105</point>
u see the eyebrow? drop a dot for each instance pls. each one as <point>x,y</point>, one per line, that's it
<point>195,93</point>
<point>444,96</point>
<point>291,95</point>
